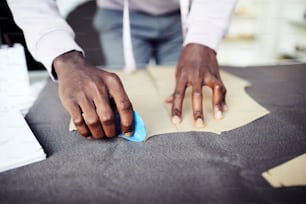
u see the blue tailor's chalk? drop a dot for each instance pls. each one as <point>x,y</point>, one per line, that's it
<point>139,130</point>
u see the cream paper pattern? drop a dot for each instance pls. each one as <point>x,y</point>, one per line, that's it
<point>290,173</point>
<point>148,89</point>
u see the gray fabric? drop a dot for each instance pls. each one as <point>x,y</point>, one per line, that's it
<point>177,168</point>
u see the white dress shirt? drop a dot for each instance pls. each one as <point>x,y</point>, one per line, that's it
<point>48,35</point>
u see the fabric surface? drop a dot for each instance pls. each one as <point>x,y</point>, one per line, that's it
<point>194,167</point>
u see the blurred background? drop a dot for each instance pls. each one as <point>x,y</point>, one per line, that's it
<point>263,32</point>
<point>266,32</point>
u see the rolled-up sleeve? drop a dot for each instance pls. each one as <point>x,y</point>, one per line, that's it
<point>208,21</point>
<point>46,32</point>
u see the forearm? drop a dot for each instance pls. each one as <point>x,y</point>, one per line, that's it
<point>46,32</point>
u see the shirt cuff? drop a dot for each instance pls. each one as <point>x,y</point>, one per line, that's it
<point>54,44</point>
<point>208,34</point>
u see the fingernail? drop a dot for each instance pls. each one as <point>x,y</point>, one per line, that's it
<point>128,134</point>
<point>89,138</point>
<point>176,120</point>
<point>218,114</point>
<point>199,123</point>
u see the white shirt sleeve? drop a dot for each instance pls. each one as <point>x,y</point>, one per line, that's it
<point>208,22</point>
<point>46,32</point>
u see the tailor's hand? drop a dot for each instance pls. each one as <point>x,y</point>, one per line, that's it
<point>93,93</point>
<point>197,67</point>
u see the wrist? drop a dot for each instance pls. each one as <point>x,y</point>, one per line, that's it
<point>72,57</point>
<point>201,48</point>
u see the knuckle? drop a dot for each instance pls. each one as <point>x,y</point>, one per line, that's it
<point>197,112</point>
<point>176,111</point>
<point>98,136</point>
<point>197,92</point>
<point>125,106</point>
<point>107,119</point>
<point>178,96</point>
<point>68,97</point>
<point>182,75</point>
<point>80,97</point>
<point>84,132</point>
<point>78,121</point>
<point>127,125</point>
<point>92,121</point>
<point>111,134</point>
<point>92,83</point>
<point>220,88</point>
<point>113,78</point>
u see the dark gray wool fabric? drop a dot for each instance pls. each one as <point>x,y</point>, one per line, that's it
<point>189,167</point>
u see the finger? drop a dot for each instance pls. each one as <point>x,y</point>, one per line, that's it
<point>123,105</point>
<point>178,97</point>
<point>106,115</point>
<point>91,119</point>
<point>218,100</point>
<point>77,118</point>
<point>219,105</point>
<point>197,106</point>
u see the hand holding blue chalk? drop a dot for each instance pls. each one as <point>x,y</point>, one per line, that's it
<point>139,130</point>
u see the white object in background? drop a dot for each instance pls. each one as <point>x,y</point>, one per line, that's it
<point>18,145</point>
<point>14,78</point>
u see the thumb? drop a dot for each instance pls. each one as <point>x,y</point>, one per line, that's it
<point>169,99</point>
